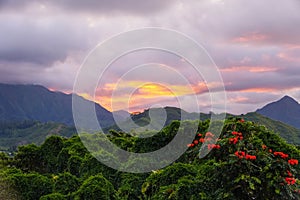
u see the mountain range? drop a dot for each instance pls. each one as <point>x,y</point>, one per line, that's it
<point>46,112</point>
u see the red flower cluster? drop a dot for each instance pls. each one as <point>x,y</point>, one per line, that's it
<point>191,145</point>
<point>238,136</point>
<point>250,157</point>
<point>293,162</point>
<point>242,154</point>
<point>242,120</point>
<point>213,146</point>
<point>233,140</point>
<point>209,134</point>
<point>290,180</point>
<point>281,154</point>
<point>208,137</point>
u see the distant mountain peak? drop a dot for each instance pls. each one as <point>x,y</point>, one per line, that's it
<point>286,110</point>
<point>287,98</point>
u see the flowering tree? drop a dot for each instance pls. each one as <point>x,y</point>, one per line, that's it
<point>246,167</point>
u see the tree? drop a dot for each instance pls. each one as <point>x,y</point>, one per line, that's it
<point>94,188</point>
<point>74,163</point>
<point>31,186</point>
<point>53,196</point>
<point>28,158</point>
<point>49,151</point>
<point>65,183</point>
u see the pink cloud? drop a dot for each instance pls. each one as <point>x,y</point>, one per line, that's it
<point>253,69</point>
<point>252,37</point>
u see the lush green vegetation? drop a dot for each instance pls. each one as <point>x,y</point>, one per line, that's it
<point>247,162</point>
<point>16,133</point>
<point>289,133</point>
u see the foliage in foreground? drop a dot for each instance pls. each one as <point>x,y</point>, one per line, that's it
<point>246,162</point>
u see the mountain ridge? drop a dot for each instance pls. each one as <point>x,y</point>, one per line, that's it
<point>286,110</point>
<point>36,102</point>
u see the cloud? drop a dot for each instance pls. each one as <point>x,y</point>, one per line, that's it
<point>99,7</point>
<point>254,43</point>
<point>40,41</point>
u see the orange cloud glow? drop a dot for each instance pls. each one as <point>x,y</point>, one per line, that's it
<point>259,90</point>
<point>144,93</point>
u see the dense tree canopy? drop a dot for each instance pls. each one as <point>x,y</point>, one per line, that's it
<point>246,162</point>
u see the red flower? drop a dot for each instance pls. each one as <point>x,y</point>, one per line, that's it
<point>213,146</point>
<point>270,150</point>
<point>233,140</point>
<point>293,161</point>
<point>199,134</point>
<point>242,120</point>
<point>209,134</point>
<point>201,140</point>
<point>190,145</point>
<point>196,142</point>
<point>250,157</point>
<point>289,173</point>
<point>209,146</point>
<point>238,135</point>
<point>281,154</point>
<point>290,181</point>
<point>234,133</point>
<point>263,146</point>
<point>240,154</point>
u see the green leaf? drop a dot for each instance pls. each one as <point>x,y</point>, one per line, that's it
<point>257,180</point>
<point>251,185</point>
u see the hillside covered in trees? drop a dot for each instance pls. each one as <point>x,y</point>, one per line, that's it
<point>247,161</point>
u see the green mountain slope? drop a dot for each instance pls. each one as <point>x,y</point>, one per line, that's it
<point>13,134</point>
<point>287,132</point>
<point>35,102</point>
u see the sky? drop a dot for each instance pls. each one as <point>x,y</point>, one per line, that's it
<point>254,44</point>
